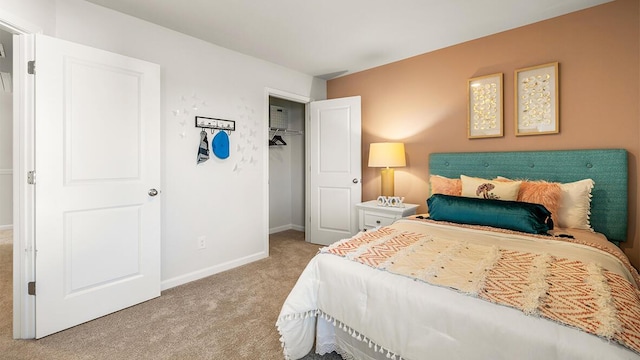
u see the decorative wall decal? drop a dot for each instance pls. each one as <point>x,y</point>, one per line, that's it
<point>248,137</point>
<point>186,106</point>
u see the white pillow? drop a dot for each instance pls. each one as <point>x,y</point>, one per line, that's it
<point>489,189</point>
<point>575,205</point>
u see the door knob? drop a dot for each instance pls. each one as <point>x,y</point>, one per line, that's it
<point>355,181</point>
<point>153,192</point>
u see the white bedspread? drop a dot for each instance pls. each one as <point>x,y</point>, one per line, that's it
<point>409,319</point>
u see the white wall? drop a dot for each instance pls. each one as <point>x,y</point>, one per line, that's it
<point>279,188</point>
<point>286,174</point>
<point>222,200</point>
<point>6,134</point>
<point>39,13</point>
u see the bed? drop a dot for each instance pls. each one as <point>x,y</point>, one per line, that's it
<point>465,283</point>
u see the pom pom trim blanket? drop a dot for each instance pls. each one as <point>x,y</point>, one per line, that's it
<point>572,284</point>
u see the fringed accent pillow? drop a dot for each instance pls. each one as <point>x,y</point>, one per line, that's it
<point>541,192</point>
<point>444,185</point>
<point>575,207</point>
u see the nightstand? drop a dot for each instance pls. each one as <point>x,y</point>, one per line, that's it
<point>371,216</point>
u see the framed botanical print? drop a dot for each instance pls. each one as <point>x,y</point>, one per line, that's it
<point>536,100</point>
<point>484,115</point>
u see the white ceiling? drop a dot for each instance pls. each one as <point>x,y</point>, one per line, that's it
<point>329,37</point>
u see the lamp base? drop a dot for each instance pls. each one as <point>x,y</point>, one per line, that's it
<point>386,182</point>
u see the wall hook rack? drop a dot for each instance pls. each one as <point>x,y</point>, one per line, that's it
<point>217,124</point>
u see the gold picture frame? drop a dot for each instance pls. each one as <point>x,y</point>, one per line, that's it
<point>484,113</point>
<point>537,100</point>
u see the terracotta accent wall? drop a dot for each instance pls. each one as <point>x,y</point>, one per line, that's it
<point>422,101</point>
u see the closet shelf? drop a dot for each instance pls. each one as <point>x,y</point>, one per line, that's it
<point>286,131</point>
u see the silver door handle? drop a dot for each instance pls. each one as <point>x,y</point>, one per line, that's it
<point>153,192</point>
<point>355,181</point>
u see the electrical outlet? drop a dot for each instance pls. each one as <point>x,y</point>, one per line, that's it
<point>202,242</point>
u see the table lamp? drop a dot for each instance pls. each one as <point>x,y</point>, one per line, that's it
<point>387,156</point>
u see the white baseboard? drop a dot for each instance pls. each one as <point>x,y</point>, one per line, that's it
<point>6,227</point>
<point>279,229</point>
<point>286,227</point>
<point>196,275</point>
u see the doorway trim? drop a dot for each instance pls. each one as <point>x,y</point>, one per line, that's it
<point>270,92</point>
<point>23,161</point>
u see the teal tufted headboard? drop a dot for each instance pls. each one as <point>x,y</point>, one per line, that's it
<point>607,168</point>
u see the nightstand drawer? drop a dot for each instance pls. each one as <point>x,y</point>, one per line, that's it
<point>372,219</point>
<point>371,216</point>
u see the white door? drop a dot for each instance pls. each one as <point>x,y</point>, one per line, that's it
<point>97,231</point>
<point>335,169</point>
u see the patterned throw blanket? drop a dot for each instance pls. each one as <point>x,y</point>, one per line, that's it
<point>577,294</point>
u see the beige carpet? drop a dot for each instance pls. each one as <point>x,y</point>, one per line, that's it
<point>230,315</point>
<point>6,236</point>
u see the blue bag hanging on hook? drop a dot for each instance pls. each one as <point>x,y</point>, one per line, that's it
<point>220,145</point>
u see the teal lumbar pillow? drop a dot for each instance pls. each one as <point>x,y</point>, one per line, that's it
<point>512,215</point>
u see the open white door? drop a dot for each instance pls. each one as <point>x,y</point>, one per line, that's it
<point>97,229</point>
<point>334,170</point>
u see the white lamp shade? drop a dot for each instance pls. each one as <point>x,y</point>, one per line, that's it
<point>386,155</point>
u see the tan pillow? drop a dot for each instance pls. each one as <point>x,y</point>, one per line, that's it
<point>445,186</point>
<point>489,189</point>
<point>548,194</point>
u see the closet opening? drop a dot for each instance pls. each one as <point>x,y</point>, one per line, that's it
<point>286,168</point>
